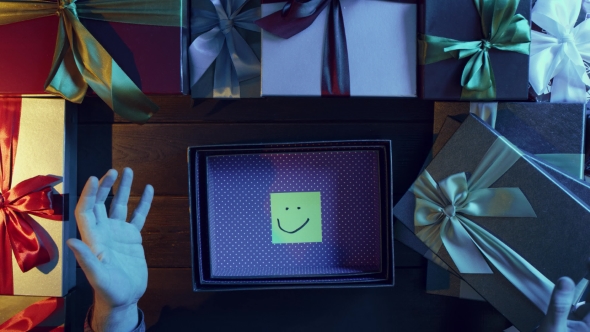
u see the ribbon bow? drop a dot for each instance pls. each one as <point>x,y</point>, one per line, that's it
<point>443,210</point>
<point>295,17</point>
<point>17,203</point>
<point>559,54</point>
<point>220,40</point>
<point>80,60</point>
<point>502,30</point>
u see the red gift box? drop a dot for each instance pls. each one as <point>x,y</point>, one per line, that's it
<point>152,56</point>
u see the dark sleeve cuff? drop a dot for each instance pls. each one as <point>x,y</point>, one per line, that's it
<point>139,328</point>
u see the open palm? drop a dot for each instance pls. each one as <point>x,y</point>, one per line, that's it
<point>110,252</point>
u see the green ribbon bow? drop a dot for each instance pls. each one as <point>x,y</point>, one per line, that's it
<point>502,30</point>
<point>443,210</point>
<point>80,61</point>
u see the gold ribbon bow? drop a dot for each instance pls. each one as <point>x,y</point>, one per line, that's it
<point>80,60</point>
<point>443,210</point>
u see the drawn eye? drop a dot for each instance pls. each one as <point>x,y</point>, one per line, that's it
<point>298,208</point>
<point>286,208</point>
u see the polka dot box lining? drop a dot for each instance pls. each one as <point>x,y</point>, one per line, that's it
<point>241,248</point>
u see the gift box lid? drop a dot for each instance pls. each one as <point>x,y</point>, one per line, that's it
<point>555,208</point>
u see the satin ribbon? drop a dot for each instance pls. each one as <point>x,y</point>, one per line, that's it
<point>298,15</point>
<point>80,61</point>
<point>503,29</point>
<point>570,163</point>
<point>19,202</point>
<point>559,54</point>
<point>33,315</point>
<point>219,41</point>
<point>443,209</point>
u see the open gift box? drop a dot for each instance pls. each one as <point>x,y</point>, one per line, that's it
<point>291,215</point>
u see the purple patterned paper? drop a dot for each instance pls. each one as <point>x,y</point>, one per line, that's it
<point>239,188</point>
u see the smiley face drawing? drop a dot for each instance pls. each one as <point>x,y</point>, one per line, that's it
<point>296,217</point>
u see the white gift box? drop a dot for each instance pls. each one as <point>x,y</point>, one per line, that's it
<point>47,146</point>
<point>381,42</point>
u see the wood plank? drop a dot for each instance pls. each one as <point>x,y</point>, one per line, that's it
<point>170,305</point>
<point>183,109</point>
<point>158,152</point>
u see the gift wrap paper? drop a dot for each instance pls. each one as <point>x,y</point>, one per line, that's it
<point>544,241</point>
<point>47,146</point>
<point>381,41</point>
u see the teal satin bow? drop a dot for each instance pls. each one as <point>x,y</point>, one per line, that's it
<point>219,41</point>
<point>502,30</point>
<point>443,209</point>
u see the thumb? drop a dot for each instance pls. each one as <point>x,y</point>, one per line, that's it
<point>87,260</point>
<point>559,306</point>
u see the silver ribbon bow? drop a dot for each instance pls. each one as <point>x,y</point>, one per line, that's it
<point>219,41</point>
<point>559,54</point>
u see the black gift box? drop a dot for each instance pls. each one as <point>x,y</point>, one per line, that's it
<point>551,242</point>
<point>460,20</point>
<point>245,172</point>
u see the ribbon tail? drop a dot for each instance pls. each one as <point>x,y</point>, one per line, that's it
<point>225,81</point>
<point>28,251</point>
<point>6,281</point>
<point>568,85</point>
<point>335,70</point>
<point>478,79</point>
<point>462,248</point>
<point>245,62</point>
<point>33,315</point>
<point>525,277</point>
<point>105,77</point>
<point>64,78</point>
<point>488,112</point>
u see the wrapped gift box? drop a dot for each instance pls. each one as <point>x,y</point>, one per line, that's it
<point>46,146</point>
<point>440,280</point>
<point>45,313</point>
<point>555,207</point>
<point>441,72</point>
<point>558,70</point>
<point>333,198</point>
<point>223,68</point>
<point>153,57</point>
<point>381,51</point>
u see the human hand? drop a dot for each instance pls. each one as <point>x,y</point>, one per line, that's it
<point>560,317</point>
<point>110,253</point>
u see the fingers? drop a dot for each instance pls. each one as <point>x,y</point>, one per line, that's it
<point>85,207</point>
<point>104,188</point>
<point>119,203</point>
<point>143,208</point>
<point>559,306</point>
<point>87,260</point>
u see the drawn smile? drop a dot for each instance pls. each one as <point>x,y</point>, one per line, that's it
<point>295,231</point>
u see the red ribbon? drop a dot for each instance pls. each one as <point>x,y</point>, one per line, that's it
<point>30,197</point>
<point>33,315</point>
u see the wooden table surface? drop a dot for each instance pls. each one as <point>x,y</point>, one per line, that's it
<point>156,152</point>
